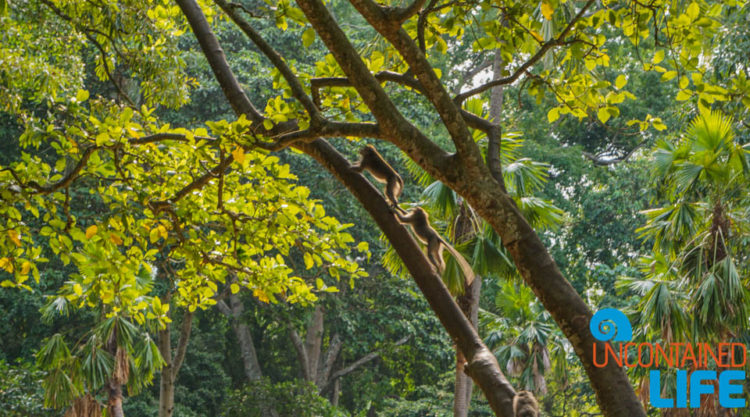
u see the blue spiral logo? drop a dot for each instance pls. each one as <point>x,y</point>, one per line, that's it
<point>611,324</point>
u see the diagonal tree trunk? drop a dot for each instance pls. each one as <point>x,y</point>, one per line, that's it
<point>463,171</point>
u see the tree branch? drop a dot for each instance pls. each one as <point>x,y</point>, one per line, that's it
<point>66,180</point>
<point>471,119</point>
<point>559,40</point>
<point>601,160</point>
<point>297,91</point>
<point>358,364</point>
<point>393,124</point>
<point>402,14</point>
<point>158,137</point>
<point>434,90</point>
<point>299,346</point>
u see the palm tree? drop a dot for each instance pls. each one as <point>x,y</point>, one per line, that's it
<point>693,287</point>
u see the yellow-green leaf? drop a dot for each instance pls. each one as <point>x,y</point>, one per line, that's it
<point>683,95</point>
<point>547,10</point>
<point>153,235</point>
<point>553,114</point>
<point>669,75</point>
<point>658,56</point>
<point>621,81</point>
<point>603,114</point>
<point>91,231</point>
<point>308,36</point>
<point>82,95</point>
<point>693,10</point>
<point>234,288</point>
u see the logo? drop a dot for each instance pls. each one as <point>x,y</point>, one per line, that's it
<point>690,361</point>
<point>611,324</point>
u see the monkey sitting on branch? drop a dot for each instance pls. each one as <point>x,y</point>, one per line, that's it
<point>372,161</point>
<point>419,221</point>
<point>525,405</point>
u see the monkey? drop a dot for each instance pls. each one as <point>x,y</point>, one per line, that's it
<point>419,221</point>
<point>372,161</point>
<point>525,405</point>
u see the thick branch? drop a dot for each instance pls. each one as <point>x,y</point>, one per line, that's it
<point>559,40</point>
<point>217,60</point>
<point>434,90</point>
<point>334,348</point>
<point>487,374</point>
<point>393,124</point>
<point>402,14</point>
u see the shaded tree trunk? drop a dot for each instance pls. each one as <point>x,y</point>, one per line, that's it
<point>469,303</point>
<point>114,401</point>
<point>173,363</point>
<point>250,363</point>
<point>249,357</point>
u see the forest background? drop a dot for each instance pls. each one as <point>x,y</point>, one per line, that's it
<point>166,248</point>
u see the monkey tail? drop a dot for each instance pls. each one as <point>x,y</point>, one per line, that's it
<point>466,269</point>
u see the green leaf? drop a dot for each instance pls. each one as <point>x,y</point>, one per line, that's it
<point>308,36</point>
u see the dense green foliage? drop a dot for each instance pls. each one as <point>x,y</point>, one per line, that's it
<point>131,199</point>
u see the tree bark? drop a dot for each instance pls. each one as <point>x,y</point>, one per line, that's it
<point>173,363</point>
<point>469,303</point>
<point>114,402</point>
<point>313,342</point>
<point>249,357</point>
<point>114,384</point>
<point>250,363</point>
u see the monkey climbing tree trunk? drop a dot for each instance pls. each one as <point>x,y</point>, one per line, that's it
<point>464,171</point>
